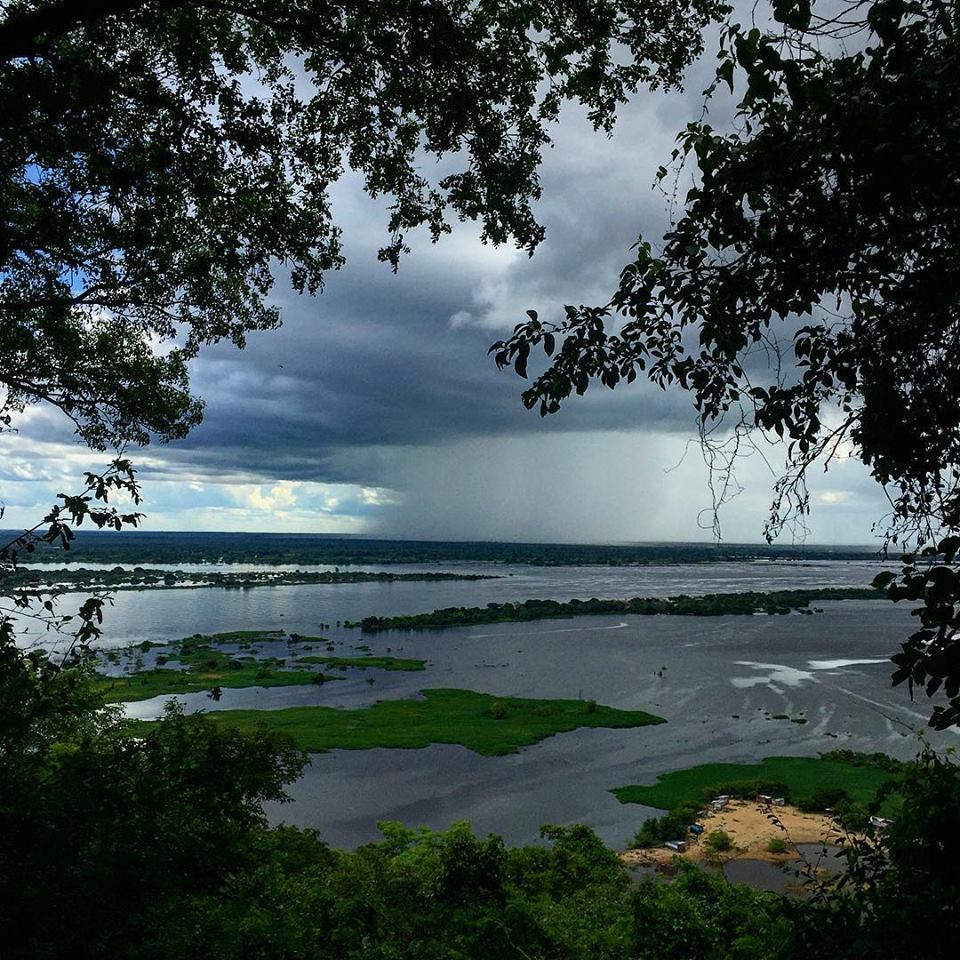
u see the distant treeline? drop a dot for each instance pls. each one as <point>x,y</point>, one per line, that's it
<point>711,605</point>
<point>139,547</point>
<point>140,578</point>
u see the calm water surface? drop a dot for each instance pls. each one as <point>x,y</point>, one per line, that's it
<point>717,680</point>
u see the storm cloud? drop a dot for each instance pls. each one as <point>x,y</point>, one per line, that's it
<point>375,408</point>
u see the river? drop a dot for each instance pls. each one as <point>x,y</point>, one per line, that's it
<point>719,682</point>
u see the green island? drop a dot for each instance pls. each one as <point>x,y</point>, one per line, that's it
<point>203,667</point>
<point>364,663</point>
<point>851,785</point>
<point>145,578</point>
<point>858,775</point>
<point>486,724</point>
<point>709,605</point>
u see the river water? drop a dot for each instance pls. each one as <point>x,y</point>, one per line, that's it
<point>719,682</point>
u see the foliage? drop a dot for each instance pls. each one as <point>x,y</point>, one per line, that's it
<point>822,799</point>
<point>36,605</point>
<point>671,826</point>
<point>159,158</point>
<point>104,839</point>
<point>488,725</point>
<point>718,841</point>
<point>777,845</point>
<point>901,883</point>
<point>930,657</point>
<point>709,605</point>
<point>808,287</point>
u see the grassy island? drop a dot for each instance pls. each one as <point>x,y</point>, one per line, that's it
<point>143,578</point>
<point>710,605</point>
<point>858,776</point>
<point>365,663</point>
<point>483,723</point>
<point>201,666</point>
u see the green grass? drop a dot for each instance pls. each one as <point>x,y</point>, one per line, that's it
<point>204,667</point>
<point>362,663</point>
<point>154,683</point>
<point>443,716</point>
<point>803,775</point>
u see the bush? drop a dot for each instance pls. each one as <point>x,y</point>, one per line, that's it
<point>748,789</point>
<point>590,706</point>
<point>498,710</point>
<point>718,841</point>
<point>671,826</point>
<point>777,845</point>
<point>824,798</point>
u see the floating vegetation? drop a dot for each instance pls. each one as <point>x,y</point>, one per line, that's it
<point>200,663</point>
<point>485,724</point>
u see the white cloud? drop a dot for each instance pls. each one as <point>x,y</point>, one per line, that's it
<point>829,498</point>
<point>260,497</point>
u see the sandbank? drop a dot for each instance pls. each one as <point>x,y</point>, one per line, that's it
<point>751,825</point>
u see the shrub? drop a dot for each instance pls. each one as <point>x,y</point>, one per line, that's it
<point>498,710</point>
<point>718,841</point>
<point>777,845</point>
<point>590,706</point>
<point>748,789</point>
<point>824,798</point>
<point>671,826</point>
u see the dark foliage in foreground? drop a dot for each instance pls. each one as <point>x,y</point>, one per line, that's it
<point>158,848</point>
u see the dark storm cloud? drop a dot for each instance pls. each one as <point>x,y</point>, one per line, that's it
<point>379,360</point>
<point>376,407</point>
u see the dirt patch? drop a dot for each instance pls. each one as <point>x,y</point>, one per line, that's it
<point>751,827</point>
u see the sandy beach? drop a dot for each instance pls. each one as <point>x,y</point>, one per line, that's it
<point>751,826</point>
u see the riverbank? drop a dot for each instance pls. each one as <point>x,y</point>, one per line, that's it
<point>751,826</point>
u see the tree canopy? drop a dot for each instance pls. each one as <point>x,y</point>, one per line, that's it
<point>809,287</point>
<point>162,160</point>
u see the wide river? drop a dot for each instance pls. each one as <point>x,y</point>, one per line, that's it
<point>718,681</point>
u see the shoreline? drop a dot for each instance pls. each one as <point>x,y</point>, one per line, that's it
<point>751,825</point>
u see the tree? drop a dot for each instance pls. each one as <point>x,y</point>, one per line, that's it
<point>115,844</point>
<point>162,160</point>
<point>809,288</point>
<point>160,157</point>
<point>897,896</point>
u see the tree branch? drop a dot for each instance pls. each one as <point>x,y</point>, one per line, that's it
<point>29,34</point>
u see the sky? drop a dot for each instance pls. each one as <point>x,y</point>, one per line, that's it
<point>376,410</point>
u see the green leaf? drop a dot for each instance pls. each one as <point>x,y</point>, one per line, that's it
<point>882,580</point>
